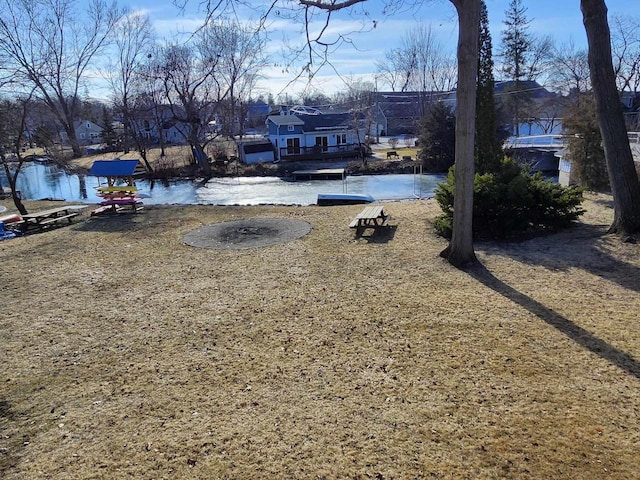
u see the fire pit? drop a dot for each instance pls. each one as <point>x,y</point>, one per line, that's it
<point>247,233</point>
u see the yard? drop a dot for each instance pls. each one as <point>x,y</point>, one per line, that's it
<point>128,354</point>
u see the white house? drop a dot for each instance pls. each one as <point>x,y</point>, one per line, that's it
<point>314,136</point>
<point>87,133</point>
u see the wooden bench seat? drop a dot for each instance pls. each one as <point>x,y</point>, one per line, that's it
<point>40,220</point>
<point>68,216</point>
<point>355,223</point>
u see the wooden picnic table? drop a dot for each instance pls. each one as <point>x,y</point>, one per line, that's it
<point>45,218</point>
<point>370,217</point>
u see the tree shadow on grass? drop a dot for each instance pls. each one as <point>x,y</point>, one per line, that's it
<point>582,246</point>
<point>117,223</point>
<point>576,333</point>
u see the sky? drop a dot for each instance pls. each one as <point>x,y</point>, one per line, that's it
<point>356,59</point>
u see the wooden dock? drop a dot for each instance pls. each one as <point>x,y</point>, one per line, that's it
<point>322,174</point>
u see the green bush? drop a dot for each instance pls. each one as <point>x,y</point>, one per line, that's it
<point>511,203</point>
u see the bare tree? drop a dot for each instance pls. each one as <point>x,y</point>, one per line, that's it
<point>548,115</point>
<point>51,44</point>
<point>208,82</point>
<point>190,89</point>
<point>625,45</point>
<point>622,174</point>
<point>540,57</point>
<point>392,69</point>
<point>428,62</point>
<point>359,99</point>
<point>240,52</point>
<point>148,107</point>
<point>419,64</point>
<point>133,39</point>
<point>571,69</point>
<point>13,125</point>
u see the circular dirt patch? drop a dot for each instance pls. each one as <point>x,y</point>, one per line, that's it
<point>247,233</point>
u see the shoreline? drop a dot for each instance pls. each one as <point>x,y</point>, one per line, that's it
<point>283,170</point>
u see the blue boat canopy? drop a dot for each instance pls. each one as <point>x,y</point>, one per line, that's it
<point>113,168</point>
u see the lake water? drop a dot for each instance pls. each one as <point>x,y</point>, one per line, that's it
<point>37,181</point>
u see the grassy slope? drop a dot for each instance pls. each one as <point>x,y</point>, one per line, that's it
<point>128,354</point>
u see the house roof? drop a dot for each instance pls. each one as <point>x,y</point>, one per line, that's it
<point>113,168</point>
<point>410,105</point>
<point>81,123</point>
<point>335,121</point>
<point>285,120</point>
<point>315,123</point>
<point>532,87</point>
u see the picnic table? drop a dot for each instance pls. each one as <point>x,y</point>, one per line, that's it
<point>118,205</point>
<point>117,199</point>
<point>370,217</point>
<point>45,218</point>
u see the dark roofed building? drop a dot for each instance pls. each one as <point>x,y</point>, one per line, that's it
<point>314,136</point>
<point>398,113</point>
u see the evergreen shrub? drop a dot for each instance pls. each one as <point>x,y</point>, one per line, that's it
<point>511,203</point>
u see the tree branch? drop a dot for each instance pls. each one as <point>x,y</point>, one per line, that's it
<point>321,4</point>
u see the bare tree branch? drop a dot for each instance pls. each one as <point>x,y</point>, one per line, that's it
<point>331,5</point>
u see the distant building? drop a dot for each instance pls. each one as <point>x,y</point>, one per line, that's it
<point>631,109</point>
<point>314,136</point>
<point>256,151</point>
<point>398,113</point>
<point>257,112</point>
<point>87,133</point>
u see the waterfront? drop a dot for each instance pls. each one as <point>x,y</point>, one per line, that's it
<point>37,181</point>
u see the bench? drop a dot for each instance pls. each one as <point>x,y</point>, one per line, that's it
<point>118,205</point>
<point>45,218</point>
<point>407,157</point>
<point>371,217</point>
<point>392,154</point>
<point>68,216</point>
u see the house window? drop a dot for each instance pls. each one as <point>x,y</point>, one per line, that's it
<point>341,138</point>
<point>88,126</point>
<point>323,143</point>
<point>82,136</point>
<point>293,146</point>
<point>290,128</point>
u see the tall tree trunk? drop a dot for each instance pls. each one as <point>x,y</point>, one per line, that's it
<point>201,157</point>
<point>460,249</point>
<point>622,174</point>
<point>12,178</point>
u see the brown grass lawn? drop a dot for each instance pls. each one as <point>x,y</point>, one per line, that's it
<point>127,354</point>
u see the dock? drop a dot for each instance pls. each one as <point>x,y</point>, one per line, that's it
<point>322,174</point>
